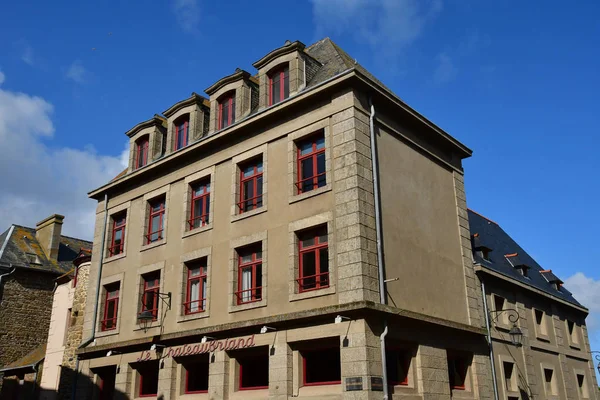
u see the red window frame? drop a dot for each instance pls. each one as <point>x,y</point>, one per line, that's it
<point>191,279</point>
<point>181,124</point>
<point>160,213</point>
<point>111,297</point>
<point>240,386</point>
<point>205,212</point>
<point>75,277</point>
<point>283,74</point>
<point>253,265</point>
<point>228,99</point>
<point>257,164</point>
<point>321,279</point>
<point>141,372</point>
<point>458,367</point>
<point>119,223</point>
<point>404,356</point>
<point>141,152</point>
<point>187,377</point>
<point>314,154</point>
<point>322,383</point>
<point>151,284</point>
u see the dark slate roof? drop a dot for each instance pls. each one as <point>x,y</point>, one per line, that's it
<point>32,358</point>
<point>502,244</point>
<point>22,242</point>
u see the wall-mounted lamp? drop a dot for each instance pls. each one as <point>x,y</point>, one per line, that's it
<point>340,318</point>
<point>206,339</point>
<point>147,316</point>
<point>266,329</point>
<point>158,347</point>
<point>112,353</point>
<point>516,335</point>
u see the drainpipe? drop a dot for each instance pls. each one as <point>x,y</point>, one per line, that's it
<point>378,231</point>
<point>489,339</point>
<point>97,298</point>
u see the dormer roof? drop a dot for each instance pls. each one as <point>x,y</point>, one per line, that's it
<point>156,120</point>
<point>516,261</point>
<point>287,48</point>
<point>195,98</point>
<point>236,76</point>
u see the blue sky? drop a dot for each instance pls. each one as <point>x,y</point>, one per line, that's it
<point>517,82</point>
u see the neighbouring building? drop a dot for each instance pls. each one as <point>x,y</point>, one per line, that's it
<point>238,255</point>
<point>66,328</point>
<point>554,360</point>
<point>30,261</point>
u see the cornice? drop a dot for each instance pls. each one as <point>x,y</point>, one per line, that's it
<point>239,74</point>
<point>157,120</point>
<point>195,98</point>
<point>281,51</point>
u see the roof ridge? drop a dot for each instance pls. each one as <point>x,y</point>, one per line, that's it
<point>483,216</point>
<point>71,237</point>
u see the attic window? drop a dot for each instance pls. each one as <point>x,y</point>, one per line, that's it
<point>279,85</point>
<point>33,259</point>
<point>552,279</point>
<point>517,262</point>
<point>480,247</point>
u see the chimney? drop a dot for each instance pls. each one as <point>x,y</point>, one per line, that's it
<point>47,233</point>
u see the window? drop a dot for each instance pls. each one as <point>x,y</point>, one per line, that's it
<point>314,259</point>
<point>279,85</point>
<point>571,327</point>
<point>200,208</point>
<point>540,322</point>
<point>150,293</point>
<point>254,370</point>
<point>181,132</point>
<point>195,299</point>
<point>106,382</point>
<point>582,388</point>
<point>251,186</point>
<point>458,368</point>
<point>311,164</point>
<point>141,152</point>
<point>148,379</point>
<point>249,274</point>
<point>117,244</point>
<point>509,376</point>
<point>226,110</point>
<point>156,220</point>
<point>75,277</point>
<point>485,254</point>
<point>549,384</point>
<point>111,307</point>
<point>67,325</point>
<point>398,365</point>
<point>196,375</point>
<point>321,366</point>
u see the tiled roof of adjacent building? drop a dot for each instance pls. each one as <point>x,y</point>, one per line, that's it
<point>23,249</point>
<point>32,358</point>
<point>502,245</point>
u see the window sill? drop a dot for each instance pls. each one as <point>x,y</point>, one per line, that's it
<point>154,244</point>
<point>114,258</point>
<point>574,346</point>
<point>248,214</point>
<point>462,393</point>
<point>542,337</point>
<point>100,334</point>
<point>248,306</point>
<point>302,196</point>
<point>197,230</point>
<point>153,325</point>
<point>193,317</point>
<point>312,293</point>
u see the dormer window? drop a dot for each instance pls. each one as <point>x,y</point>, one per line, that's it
<point>227,110</point>
<point>181,132</point>
<point>141,152</point>
<point>279,85</point>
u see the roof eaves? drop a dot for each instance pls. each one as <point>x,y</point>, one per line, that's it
<point>156,120</point>
<point>280,51</point>
<point>195,98</point>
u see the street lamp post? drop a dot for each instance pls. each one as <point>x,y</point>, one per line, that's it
<point>515,333</point>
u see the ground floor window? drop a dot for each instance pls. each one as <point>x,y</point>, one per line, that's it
<point>397,366</point>
<point>148,379</point>
<point>458,369</point>
<point>254,369</point>
<point>196,375</point>
<point>106,377</point>
<point>321,366</point>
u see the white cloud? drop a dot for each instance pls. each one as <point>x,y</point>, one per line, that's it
<point>587,291</point>
<point>386,25</point>
<point>445,70</point>
<point>40,179</point>
<point>1,78</point>
<point>77,72</point>
<point>187,13</point>
<point>27,55</point>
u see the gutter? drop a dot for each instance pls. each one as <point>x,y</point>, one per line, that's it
<point>489,340</point>
<point>380,260</point>
<point>97,299</point>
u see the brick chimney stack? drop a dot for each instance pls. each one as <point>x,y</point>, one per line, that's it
<point>47,232</point>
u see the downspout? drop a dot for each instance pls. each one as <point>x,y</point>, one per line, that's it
<point>378,231</point>
<point>97,298</point>
<point>489,339</point>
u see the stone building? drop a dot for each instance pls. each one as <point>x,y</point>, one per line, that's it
<point>66,327</point>
<point>554,359</point>
<point>302,232</point>
<point>30,261</point>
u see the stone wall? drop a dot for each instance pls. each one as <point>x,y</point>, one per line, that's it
<point>75,333</point>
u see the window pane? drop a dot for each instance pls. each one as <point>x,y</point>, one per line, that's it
<point>118,236</point>
<point>246,284</point>
<point>194,271</point>
<point>320,142</point>
<point>259,191</point>
<point>232,111</point>
<point>286,85</point>
<point>207,206</point>
<point>155,235</point>
<point>149,300</point>
<point>322,366</point>
<point>248,171</point>
<point>306,167</point>
<point>305,147</point>
<point>254,371</point>
<point>309,241</point>
<point>321,169</point>
<point>111,310</point>
<point>324,260</point>
<point>276,89</point>
<point>194,295</point>
<point>197,375</point>
<point>308,271</point>
<point>259,166</point>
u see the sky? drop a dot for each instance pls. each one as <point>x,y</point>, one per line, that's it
<point>517,82</point>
